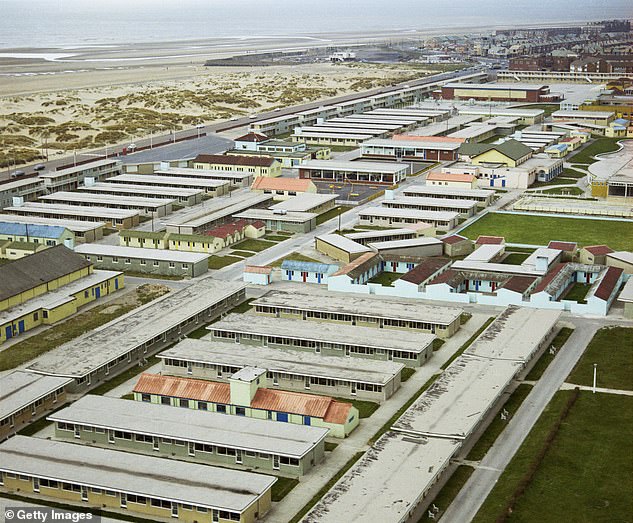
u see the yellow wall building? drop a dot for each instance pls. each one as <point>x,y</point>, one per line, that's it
<point>256,165</point>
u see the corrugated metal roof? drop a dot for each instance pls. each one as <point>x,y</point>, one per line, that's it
<point>291,402</point>
<point>38,231</point>
<point>183,388</point>
<point>306,266</point>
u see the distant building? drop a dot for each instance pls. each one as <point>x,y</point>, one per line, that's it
<point>257,166</point>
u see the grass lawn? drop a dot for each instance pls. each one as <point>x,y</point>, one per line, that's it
<point>546,358</point>
<point>332,213</point>
<point>253,245</point>
<point>365,408</point>
<point>577,292</point>
<point>598,146</point>
<point>275,237</point>
<point>407,372</point>
<point>329,446</point>
<point>571,173</point>
<point>555,181</point>
<point>243,254</point>
<point>515,258</point>
<point>282,487</point>
<point>612,349</point>
<point>295,256</point>
<point>438,343</point>
<point>69,329</point>
<point>539,230</point>
<point>153,276</point>
<point>217,262</point>
<point>585,475</point>
<point>448,492</point>
<point>497,425</point>
<point>385,279</point>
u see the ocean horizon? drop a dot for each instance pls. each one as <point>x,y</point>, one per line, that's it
<point>73,24</point>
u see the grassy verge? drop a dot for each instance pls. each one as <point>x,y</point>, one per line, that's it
<point>365,408</point>
<point>490,435</point>
<point>448,492</point>
<point>571,191</point>
<point>610,348</point>
<point>515,258</point>
<point>275,237</point>
<point>71,328</point>
<point>465,318</point>
<point>153,276</point>
<point>252,245</point>
<point>332,213</point>
<point>406,374</point>
<point>243,254</point>
<point>329,446</point>
<point>468,343</point>
<point>123,377</point>
<point>581,477</point>
<point>299,515</point>
<point>598,146</point>
<point>546,358</point>
<point>438,343</point>
<point>217,262</point>
<point>539,230</point>
<point>282,487</point>
<point>385,279</point>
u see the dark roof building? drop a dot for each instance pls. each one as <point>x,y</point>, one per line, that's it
<point>247,161</point>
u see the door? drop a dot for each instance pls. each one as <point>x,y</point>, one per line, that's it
<point>174,510</point>
<point>275,462</point>
<point>21,328</point>
<point>304,276</point>
<point>282,416</point>
<point>192,449</point>
<point>346,351</point>
<point>36,484</point>
<point>84,493</point>
<point>116,284</point>
<point>353,388</point>
<point>216,516</point>
<point>8,332</point>
<point>238,457</point>
<point>503,183</point>
<point>156,445</point>
<point>319,276</point>
<point>307,420</point>
<point>77,432</point>
<point>98,292</point>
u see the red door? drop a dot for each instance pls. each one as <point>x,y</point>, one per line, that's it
<point>304,275</point>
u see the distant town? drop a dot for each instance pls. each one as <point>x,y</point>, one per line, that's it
<point>405,298</point>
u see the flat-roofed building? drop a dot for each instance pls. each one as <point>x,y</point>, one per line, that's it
<point>280,220</point>
<point>367,237</point>
<point>411,349</point>
<point>210,187</point>
<point>83,231</point>
<point>234,178</point>
<point>360,311</point>
<point>621,259</point>
<point>357,172</point>
<point>256,165</point>
<point>411,247</point>
<point>148,206</point>
<point>25,397</point>
<point>191,435</point>
<point>483,197</point>
<point>525,115</point>
<point>574,206</point>
<point>512,92</point>
<point>130,339</point>
<point>69,178</point>
<point>300,371</point>
<point>312,203</point>
<point>465,208</point>
<point>29,189</point>
<point>588,117</point>
<point>244,396</point>
<point>386,217</point>
<point>421,148</point>
<point>221,211</point>
<point>348,139</point>
<point>184,196</point>
<point>146,486</point>
<point>339,247</point>
<point>379,485</point>
<point>118,218</point>
<point>162,262</point>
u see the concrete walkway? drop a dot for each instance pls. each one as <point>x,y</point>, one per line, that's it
<point>311,483</point>
<point>569,386</point>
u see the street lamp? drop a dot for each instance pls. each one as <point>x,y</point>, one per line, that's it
<point>595,366</point>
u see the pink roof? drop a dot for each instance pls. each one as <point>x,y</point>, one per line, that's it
<point>201,390</point>
<point>256,269</point>
<point>443,177</point>
<point>455,238</point>
<point>252,137</point>
<point>227,229</point>
<point>598,250</point>
<point>562,246</point>
<point>490,240</point>
<point>262,183</point>
<point>608,283</point>
<point>439,139</point>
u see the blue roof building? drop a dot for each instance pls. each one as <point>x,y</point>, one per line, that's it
<point>307,272</point>
<point>48,234</point>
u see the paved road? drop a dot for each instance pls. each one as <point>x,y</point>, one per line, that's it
<point>469,500</point>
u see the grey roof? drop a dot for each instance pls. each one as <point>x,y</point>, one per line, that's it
<point>377,234</point>
<point>71,225</point>
<point>343,243</point>
<point>361,166</point>
<point>380,486</point>
<point>448,191</point>
<point>147,179</point>
<point>304,202</point>
<point>266,214</point>
<point>100,249</point>
<point>306,266</point>
<point>345,303</point>
<point>390,212</point>
<point>20,389</point>
<point>166,479</point>
<point>324,332</point>
<point>421,201</point>
<point>87,211</point>
<point>422,241</point>
<point>192,425</point>
<point>37,269</point>
<point>78,357</point>
<point>202,173</point>
<point>106,199</point>
<point>301,363</point>
<point>125,188</point>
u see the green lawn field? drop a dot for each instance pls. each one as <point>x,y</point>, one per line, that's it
<point>539,230</point>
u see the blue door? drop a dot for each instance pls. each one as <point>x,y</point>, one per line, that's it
<point>21,328</point>
<point>492,182</point>
<point>307,420</point>
<point>116,284</point>
<point>9,332</point>
<point>319,277</point>
<point>503,183</point>
<point>282,416</point>
<point>98,292</point>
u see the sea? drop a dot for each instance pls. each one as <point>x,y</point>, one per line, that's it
<point>73,24</point>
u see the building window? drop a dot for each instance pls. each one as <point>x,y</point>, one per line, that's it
<point>221,409</point>
<point>183,402</point>
<point>240,411</point>
<point>172,265</point>
<point>155,263</point>
<point>147,398</point>
<point>165,400</point>
<point>127,261</point>
<point>143,262</point>
<point>115,260</point>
